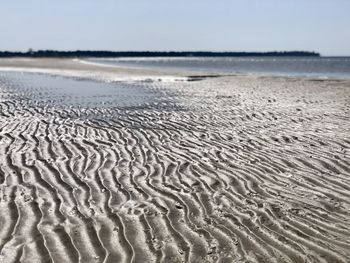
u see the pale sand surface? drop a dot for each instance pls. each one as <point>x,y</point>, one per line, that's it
<point>120,165</point>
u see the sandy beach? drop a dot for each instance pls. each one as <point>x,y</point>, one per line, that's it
<point>110,164</point>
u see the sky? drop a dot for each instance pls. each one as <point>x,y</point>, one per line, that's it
<point>163,25</point>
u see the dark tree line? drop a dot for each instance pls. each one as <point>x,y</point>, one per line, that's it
<point>89,53</point>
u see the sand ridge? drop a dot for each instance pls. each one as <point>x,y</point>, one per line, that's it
<point>227,169</point>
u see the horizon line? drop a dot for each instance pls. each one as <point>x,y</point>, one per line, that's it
<point>149,53</point>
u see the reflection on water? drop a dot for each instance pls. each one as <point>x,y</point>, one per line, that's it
<point>63,91</point>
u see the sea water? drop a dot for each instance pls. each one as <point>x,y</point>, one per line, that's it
<point>321,67</point>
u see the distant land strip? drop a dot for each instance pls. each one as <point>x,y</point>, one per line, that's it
<point>111,54</point>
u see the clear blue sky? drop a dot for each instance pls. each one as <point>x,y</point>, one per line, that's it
<point>230,25</point>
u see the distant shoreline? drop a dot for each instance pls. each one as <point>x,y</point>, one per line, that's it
<point>112,54</point>
<point>137,70</point>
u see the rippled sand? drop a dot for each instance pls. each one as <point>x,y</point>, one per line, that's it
<point>144,167</point>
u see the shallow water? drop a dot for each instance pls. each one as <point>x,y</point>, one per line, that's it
<point>63,91</point>
<point>325,67</point>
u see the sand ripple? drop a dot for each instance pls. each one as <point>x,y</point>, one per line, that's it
<point>236,169</point>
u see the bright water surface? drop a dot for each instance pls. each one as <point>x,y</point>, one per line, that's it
<point>62,91</point>
<point>321,67</point>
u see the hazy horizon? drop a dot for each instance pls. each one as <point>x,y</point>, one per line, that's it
<point>154,25</point>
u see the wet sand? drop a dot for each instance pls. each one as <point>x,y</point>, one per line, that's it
<point>156,167</point>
